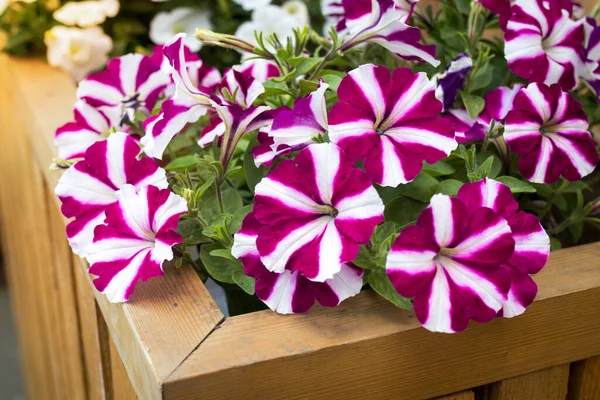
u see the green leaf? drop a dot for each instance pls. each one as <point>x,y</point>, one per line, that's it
<point>573,187</point>
<point>209,205</point>
<point>219,268</point>
<point>244,281</point>
<point>422,188</point>
<point>383,232</point>
<point>305,65</point>
<point>183,163</point>
<point>485,168</point>
<point>333,81</point>
<point>307,87</point>
<point>440,168</point>
<point>223,253</point>
<point>238,218</point>
<point>403,210</point>
<point>490,165</point>
<point>252,173</point>
<point>449,187</point>
<point>516,185</point>
<point>380,283</point>
<point>366,259</point>
<point>473,104</point>
<point>275,88</point>
<point>483,78</point>
<point>555,244</point>
<point>191,231</point>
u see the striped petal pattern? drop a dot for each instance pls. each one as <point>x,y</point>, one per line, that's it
<point>549,130</point>
<point>131,83</point>
<point>591,71</point>
<point>89,186</point>
<point>90,125</point>
<point>289,292</point>
<point>465,128</point>
<point>450,262</point>
<point>543,43</point>
<point>532,244</point>
<point>390,123</point>
<point>452,80</point>
<point>379,21</point>
<point>294,130</point>
<point>315,210</point>
<point>190,102</point>
<point>498,103</point>
<point>138,237</point>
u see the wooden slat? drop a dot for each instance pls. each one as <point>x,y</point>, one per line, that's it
<point>90,333</point>
<point>466,395</point>
<point>584,381</point>
<point>167,318</point>
<point>121,385</point>
<point>548,384</point>
<point>272,356</point>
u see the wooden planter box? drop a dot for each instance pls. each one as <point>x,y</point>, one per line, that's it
<point>171,341</point>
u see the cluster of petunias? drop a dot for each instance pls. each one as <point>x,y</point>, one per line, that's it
<point>301,182</point>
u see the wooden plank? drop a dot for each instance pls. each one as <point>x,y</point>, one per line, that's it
<point>270,355</point>
<point>121,385</point>
<point>167,318</point>
<point>90,333</point>
<point>466,395</point>
<point>584,382</point>
<point>548,384</point>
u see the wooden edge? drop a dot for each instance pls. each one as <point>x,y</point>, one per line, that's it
<point>166,318</point>
<point>333,349</point>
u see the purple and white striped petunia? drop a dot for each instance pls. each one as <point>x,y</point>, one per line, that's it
<point>289,292</point>
<point>543,43</point>
<point>90,185</point>
<point>591,70</point>
<point>532,244</point>
<point>452,80</point>
<point>193,88</point>
<point>379,22</point>
<point>391,124</point>
<point>294,130</point>
<point>138,237</point>
<point>130,83</point>
<point>549,130</point>
<point>465,128</point>
<point>90,125</point>
<point>450,262</point>
<point>315,210</point>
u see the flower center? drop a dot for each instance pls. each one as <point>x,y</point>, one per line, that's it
<point>327,209</point>
<point>129,106</point>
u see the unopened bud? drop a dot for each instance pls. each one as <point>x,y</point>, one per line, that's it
<point>222,40</point>
<point>59,164</point>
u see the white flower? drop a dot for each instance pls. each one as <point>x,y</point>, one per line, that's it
<point>77,51</point>
<point>250,5</point>
<point>86,13</point>
<point>165,25</point>
<point>274,19</point>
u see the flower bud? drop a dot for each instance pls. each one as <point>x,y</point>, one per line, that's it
<point>222,40</point>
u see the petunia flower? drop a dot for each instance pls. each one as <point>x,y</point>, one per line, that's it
<point>590,73</point>
<point>315,210</point>
<point>543,43</point>
<point>451,262</point>
<point>90,185</point>
<point>391,124</point>
<point>167,24</point>
<point>465,128</point>
<point>549,130</point>
<point>90,125</point>
<point>379,22</point>
<point>193,88</point>
<point>250,5</point>
<point>289,292</point>
<point>86,13</point>
<point>532,244</point>
<point>452,80</point>
<point>130,83</point>
<point>138,237</point>
<point>294,130</point>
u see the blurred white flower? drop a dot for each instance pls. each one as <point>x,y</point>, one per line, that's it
<point>165,25</point>
<point>274,19</point>
<point>86,13</point>
<point>250,5</point>
<point>77,51</point>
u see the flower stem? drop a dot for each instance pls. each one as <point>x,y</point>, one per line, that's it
<point>224,6</point>
<point>219,185</point>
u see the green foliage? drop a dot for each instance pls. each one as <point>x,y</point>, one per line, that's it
<point>379,282</point>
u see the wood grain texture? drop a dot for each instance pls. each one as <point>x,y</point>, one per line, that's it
<point>466,395</point>
<point>584,381</point>
<point>272,355</point>
<point>166,318</point>
<point>121,385</point>
<point>548,384</point>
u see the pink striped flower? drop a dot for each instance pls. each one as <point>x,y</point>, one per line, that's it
<point>466,129</point>
<point>392,125</point>
<point>380,22</point>
<point>194,84</point>
<point>289,292</point>
<point>89,186</point>
<point>532,244</point>
<point>315,210</point>
<point>130,83</point>
<point>138,237</point>
<point>90,126</point>
<point>543,43</point>
<point>294,130</point>
<point>591,70</point>
<point>549,130</point>
<point>451,262</point>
